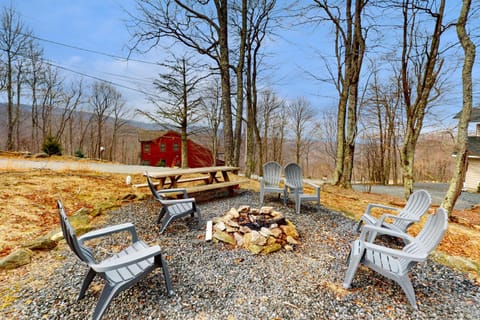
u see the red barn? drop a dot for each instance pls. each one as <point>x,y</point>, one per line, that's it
<point>163,149</point>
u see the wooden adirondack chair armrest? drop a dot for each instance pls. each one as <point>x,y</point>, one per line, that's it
<point>380,206</point>
<point>129,259</point>
<point>110,230</point>
<point>394,252</point>
<point>371,228</point>
<point>175,201</point>
<point>388,215</point>
<point>183,190</point>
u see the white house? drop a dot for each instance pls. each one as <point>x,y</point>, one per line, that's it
<point>472,176</point>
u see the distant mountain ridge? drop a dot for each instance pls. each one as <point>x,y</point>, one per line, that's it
<point>26,110</point>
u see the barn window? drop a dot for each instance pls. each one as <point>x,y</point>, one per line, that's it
<point>146,148</point>
<point>163,147</point>
<point>175,147</point>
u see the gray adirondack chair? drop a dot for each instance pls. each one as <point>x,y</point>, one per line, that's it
<point>416,206</point>
<point>294,184</point>
<point>121,270</point>
<point>173,208</point>
<point>270,181</point>
<point>395,264</point>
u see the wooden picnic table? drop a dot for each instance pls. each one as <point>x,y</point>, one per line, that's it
<point>172,178</point>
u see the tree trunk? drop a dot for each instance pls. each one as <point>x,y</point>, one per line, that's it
<point>426,81</point>
<point>461,147</point>
<point>224,64</point>
<point>239,72</point>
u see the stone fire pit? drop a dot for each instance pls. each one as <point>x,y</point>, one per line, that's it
<point>257,230</point>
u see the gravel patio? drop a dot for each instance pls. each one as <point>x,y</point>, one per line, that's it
<point>212,281</point>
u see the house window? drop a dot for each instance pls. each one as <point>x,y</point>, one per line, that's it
<point>163,147</point>
<point>175,147</point>
<point>146,148</point>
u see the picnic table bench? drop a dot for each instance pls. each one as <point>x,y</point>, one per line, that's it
<point>213,178</point>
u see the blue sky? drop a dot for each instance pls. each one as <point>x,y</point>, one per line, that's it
<point>100,25</point>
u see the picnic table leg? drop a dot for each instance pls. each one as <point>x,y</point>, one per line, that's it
<point>161,183</point>
<point>173,181</point>
<point>212,178</point>
<point>225,176</point>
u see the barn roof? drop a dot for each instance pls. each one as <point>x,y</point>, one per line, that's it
<point>474,117</point>
<point>150,135</point>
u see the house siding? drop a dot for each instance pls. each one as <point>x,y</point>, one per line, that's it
<point>166,151</point>
<point>472,177</point>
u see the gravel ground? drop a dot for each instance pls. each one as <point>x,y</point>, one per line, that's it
<point>214,282</point>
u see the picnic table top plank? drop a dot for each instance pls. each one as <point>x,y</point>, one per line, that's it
<point>179,172</point>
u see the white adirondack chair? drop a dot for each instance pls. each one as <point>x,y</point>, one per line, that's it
<point>121,270</point>
<point>270,181</point>
<point>294,184</point>
<point>416,206</point>
<point>395,264</point>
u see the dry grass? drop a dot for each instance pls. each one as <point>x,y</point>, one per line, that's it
<point>28,205</point>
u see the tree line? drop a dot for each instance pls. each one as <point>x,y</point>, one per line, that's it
<point>389,77</point>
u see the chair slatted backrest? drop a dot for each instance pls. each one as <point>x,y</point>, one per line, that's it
<point>294,176</point>
<point>272,172</point>
<point>70,237</point>
<point>416,206</point>
<point>429,237</point>
<point>156,195</point>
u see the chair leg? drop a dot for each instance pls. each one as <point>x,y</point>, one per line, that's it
<point>298,203</point>
<point>407,287</point>
<point>161,263</point>
<point>161,214</point>
<point>106,297</point>
<point>86,282</point>
<point>354,258</point>
<point>200,220</point>
<point>166,222</point>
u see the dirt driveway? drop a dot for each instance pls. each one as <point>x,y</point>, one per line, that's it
<point>16,163</point>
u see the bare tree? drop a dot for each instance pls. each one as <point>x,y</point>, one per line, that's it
<point>68,101</point>
<point>51,88</point>
<point>301,115</point>
<point>279,124</point>
<point>462,136</point>
<point>180,101</point>
<point>103,100</point>
<point>34,79</point>
<point>211,111</point>
<point>259,19</point>
<point>425,65</point>
<point>239,71</point>
<point>198,25</point>
<point>13,44</point>
<point>328,121</point>
<point>380,117</point>
<point>349,50</point>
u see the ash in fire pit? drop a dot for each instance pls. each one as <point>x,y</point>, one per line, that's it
<point>258,230</point>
